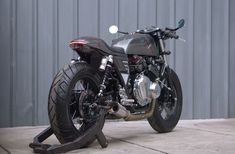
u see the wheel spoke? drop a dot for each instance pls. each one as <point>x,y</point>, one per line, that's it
<point>77,91</point>
<point>83,92</point>
<point>87,86</point>
<point>80,85</point>
<point>74,114</point>
<point>72,103</point>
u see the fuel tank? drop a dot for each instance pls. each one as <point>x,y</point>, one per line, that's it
<point>137,44</point>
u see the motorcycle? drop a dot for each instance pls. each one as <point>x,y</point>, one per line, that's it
<point>129,80</point>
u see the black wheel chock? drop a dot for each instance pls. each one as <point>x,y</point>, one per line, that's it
<point>95,130</point>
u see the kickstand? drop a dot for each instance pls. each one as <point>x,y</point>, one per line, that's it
<point>95,130</point>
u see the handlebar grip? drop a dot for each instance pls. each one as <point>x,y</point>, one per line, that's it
<point>176,36</point>
<point>172,35</point>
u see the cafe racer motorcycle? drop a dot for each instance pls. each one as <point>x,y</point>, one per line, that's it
<point>129,79</point>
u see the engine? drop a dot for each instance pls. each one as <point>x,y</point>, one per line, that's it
<point>136,64</point>
<point>143,89</point>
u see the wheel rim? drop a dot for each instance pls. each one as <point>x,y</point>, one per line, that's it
<point>167,104</point>
<point>82,95</point>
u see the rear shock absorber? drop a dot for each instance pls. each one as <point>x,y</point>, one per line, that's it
<point>106,65</point>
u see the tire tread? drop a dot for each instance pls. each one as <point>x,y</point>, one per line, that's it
<point>57,100</point>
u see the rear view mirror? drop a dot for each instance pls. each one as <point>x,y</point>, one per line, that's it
<point>113,29</point>
<point>180,23</point>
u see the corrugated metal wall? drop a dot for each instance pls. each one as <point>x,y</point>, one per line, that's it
<point>34,36</point>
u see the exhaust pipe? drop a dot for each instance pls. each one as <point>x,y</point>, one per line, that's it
<point>121,112</point>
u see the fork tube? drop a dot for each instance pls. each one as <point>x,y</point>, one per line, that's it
<point>163,50</point>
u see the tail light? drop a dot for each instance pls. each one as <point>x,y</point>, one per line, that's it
<point>77,44</point>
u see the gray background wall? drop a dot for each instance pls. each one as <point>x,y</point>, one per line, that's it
<point>34,36</point>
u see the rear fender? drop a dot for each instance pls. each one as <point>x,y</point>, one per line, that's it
<point>84,44</point>
<point>89,50</point>
<point>92,50</point>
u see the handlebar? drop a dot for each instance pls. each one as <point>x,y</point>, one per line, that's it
<point>166,34</point>
<point>163,34</point>
<point>171,34</point>
<point>148,30</point>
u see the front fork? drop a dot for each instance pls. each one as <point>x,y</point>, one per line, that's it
<point>165,67</point>
<point>162,47</point>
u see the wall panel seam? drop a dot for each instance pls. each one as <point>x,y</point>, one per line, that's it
<point>193,88</point>
<point>174,45</point>
<point>35,61</point>
<point>118,15</point>
<point>33,64</point>
<point>55,37</point>
<point>191,3</point>
<point>211,78</point>
<point>98,19</point>
<point>156,12</point>
<point>58,36</point>
<point>78,18</point>
<point>229,50</point>
<point>137,13</point>
<point>11,59</point>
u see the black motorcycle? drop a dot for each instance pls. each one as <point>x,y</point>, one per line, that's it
<point>129,79</point>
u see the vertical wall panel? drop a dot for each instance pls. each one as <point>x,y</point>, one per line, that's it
<point>13,40</point>
<point>165,13</point>
<point>88,18</point>
<point>65,31</point>
<point>75,22</point>
<point>147,17</point>
<point>34,45</point>
<point>75,18</point>
<point>128,15</point>
<point>219,56</point>
<point>107,19</point>
<point>231,59</point>
<point>5,63</point>
<point>45,56</point>
<point>22,107</point>
<point>166,18</point>
<point>184,55</point>
<point>35,63</point>
<point>202,58</point>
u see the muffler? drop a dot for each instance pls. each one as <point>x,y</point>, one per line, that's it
<point>121,112</point>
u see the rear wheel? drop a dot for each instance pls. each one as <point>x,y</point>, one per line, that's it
<point>72,92</point>
<point>168,108</point>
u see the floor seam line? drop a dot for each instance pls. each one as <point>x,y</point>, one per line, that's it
<point>138,145</point>
<point>198,129</point>
<point>5,149</point>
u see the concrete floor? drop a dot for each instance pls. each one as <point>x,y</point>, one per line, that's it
<point>190,136</point>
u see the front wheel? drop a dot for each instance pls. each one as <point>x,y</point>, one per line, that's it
<point>168,108</point>
<point>72,92</point>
